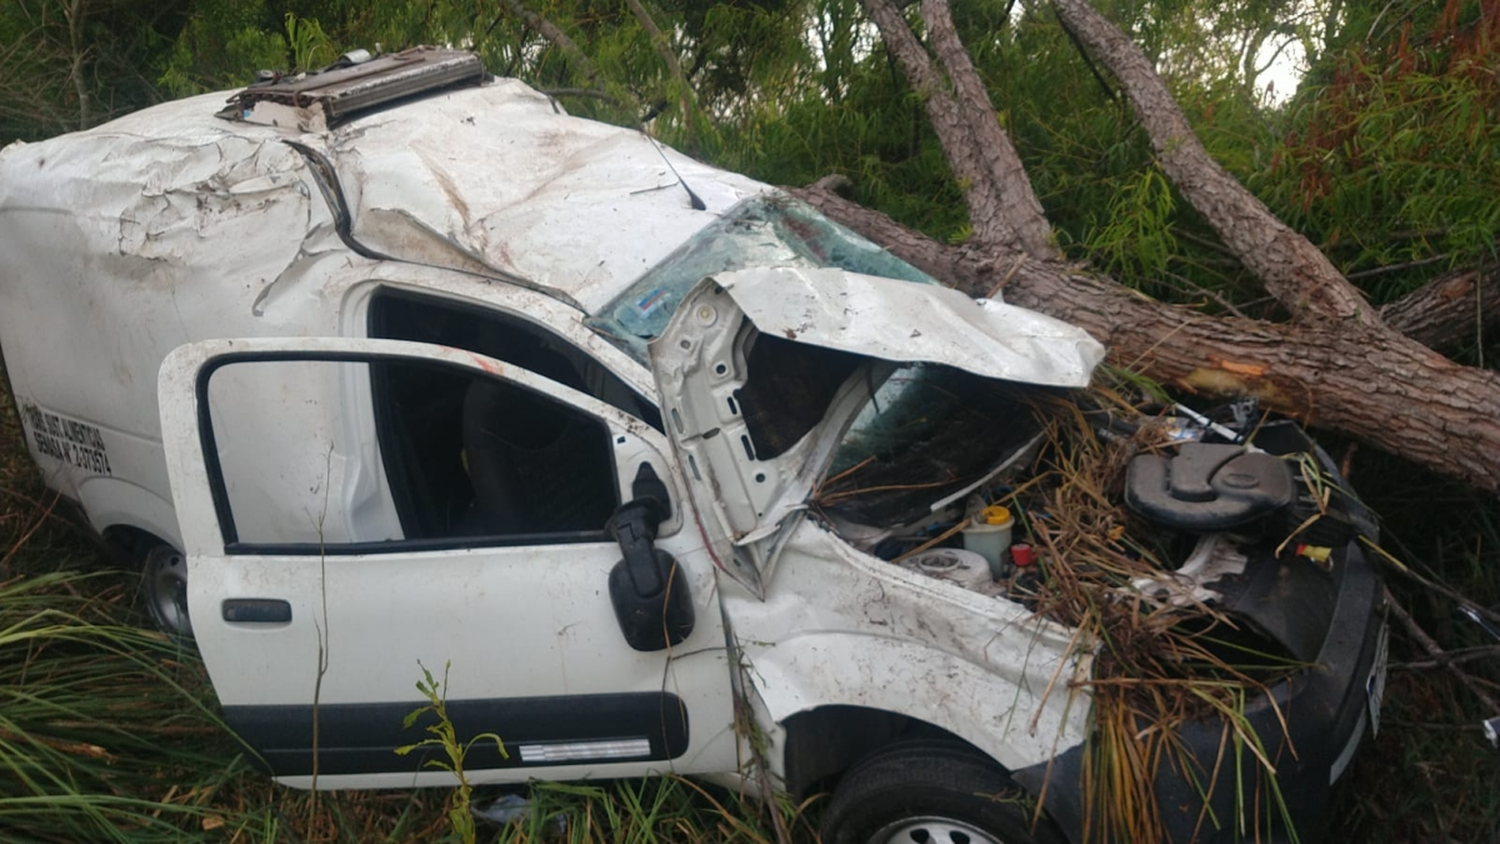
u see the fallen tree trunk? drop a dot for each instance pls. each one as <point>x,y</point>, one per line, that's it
<point>1336,365</point>
<point>1361,380</point>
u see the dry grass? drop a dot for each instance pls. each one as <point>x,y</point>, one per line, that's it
<point>1156,666</point>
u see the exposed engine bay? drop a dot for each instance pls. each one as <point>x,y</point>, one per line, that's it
<point>1238,522</point>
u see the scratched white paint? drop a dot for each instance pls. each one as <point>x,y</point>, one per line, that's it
<point>172,229</point>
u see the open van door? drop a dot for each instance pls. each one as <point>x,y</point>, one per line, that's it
<point>356,510</point>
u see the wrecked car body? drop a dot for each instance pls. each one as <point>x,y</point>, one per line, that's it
<point>627,442</point>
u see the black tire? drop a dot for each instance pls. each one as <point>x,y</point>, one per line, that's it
<point>164,589</point>
<point>932,792</point>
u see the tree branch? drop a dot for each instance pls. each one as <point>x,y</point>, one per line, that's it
<point>998,219</point>
<point>1438,655</point>
<point>664,49</point>
<point>997,154</point>
<point>74,13</point>
<point>1292,269</point>
<point>558,38</point>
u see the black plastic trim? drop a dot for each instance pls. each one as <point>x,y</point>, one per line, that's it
<point>256,611</point>
<point>1324,707</point>
<point>361,738</point>
<point>450,543</point>
<point>327,177</point>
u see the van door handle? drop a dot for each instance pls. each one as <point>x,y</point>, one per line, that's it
<point>257,611</point>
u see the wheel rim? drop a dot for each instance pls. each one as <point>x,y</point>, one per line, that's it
<point>166,590</point>
<point>932,830</point>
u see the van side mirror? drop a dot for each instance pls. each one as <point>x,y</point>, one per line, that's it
<point>648,589</point>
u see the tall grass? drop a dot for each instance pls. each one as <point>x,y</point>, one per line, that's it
<point>99,738</point>
<point>107,731</point>
<point>1429,775</point>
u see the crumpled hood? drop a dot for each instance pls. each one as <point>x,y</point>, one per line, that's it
<point>898,321</point>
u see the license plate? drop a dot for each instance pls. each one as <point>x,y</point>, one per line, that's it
<point>1374,695</point>
<point>1375,685</point>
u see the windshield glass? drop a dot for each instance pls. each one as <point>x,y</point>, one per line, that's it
<point>763,231</point>
<point>928,432</point>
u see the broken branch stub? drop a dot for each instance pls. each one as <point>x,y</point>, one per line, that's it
<point>1451,310</point>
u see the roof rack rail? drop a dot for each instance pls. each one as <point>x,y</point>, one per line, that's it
<point>355,84</point>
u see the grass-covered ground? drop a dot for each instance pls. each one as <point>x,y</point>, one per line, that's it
<point>109,733</point>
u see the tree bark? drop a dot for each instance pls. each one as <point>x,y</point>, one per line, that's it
<point>1336,365</point>
<point>1449,311</point>
<point>1008,220</point>
<point>1292,269</point>
<point>552,33</point>
<point>1362,380</point>
<point>998,155</point>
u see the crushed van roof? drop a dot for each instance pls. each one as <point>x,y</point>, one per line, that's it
<point>495,179</point>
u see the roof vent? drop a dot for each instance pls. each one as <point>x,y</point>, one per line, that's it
<point>355,84</point>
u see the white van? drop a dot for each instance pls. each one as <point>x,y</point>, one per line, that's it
<point>398,365</point>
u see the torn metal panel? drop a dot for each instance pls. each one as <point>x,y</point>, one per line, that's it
<point>763,231</point>
<point>838,627</point>
<point>895,321</point>
<point>758,454</point>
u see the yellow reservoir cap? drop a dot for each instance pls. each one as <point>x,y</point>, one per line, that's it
<point>994,515</point>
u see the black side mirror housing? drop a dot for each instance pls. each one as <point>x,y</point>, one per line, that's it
<point>647,588</point>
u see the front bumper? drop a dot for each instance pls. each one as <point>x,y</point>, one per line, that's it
<point>1308,725</point>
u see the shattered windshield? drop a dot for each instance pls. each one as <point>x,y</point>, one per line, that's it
<point>763,231</point>
<point>928,432</point>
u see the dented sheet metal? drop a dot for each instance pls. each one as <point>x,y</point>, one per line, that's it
<point>168,218</point>
<point>493,178</point>
<point>898,321</point>
<point>502,177</point>
<point>704,366</point>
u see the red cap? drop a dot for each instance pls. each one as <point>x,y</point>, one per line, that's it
<point>1022,554</point>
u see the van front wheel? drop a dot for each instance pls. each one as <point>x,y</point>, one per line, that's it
<point>164,584</point>
<point>937,792</point>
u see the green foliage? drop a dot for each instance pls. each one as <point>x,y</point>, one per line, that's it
<point>1136,239</point>
<point>1392,160</point>
<point>311,46</point>
<point>1386,157</point>
<point>443,735</point>
<point>664,809</point>
<point>221,46</point>
<point>71,64</point>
